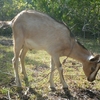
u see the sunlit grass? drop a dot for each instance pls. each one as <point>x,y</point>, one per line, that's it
<point>37,66</point>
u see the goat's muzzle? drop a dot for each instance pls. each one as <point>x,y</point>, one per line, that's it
<point>94,73</point>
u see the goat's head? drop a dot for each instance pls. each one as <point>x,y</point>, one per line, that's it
<point>91,68</point>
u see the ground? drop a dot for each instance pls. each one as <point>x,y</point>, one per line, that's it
<point>38,70</point>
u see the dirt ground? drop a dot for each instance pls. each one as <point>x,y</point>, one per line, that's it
<point>76,93</point>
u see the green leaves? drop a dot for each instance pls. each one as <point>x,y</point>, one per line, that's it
<point>73,12</point>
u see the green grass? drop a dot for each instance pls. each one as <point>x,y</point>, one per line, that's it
<point>37,67</point>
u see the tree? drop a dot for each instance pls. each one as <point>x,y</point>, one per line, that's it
<point>76,13</point>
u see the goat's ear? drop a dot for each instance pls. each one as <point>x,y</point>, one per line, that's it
<point>96,58</point>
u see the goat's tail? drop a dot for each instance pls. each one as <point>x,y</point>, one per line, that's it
<point>5,24</point>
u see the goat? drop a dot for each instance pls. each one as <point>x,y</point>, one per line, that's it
<point>35,30</point>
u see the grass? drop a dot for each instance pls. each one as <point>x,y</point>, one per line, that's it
<point>37,67</point>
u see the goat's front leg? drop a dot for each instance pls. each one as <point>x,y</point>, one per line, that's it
<point>52,66</point>
<point>60,70</point>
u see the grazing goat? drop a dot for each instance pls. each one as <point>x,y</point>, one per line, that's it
<point>35,30</point>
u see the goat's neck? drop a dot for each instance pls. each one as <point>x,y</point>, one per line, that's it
<point>81,54</point>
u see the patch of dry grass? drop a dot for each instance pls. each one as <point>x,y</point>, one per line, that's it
<point>37,67</point>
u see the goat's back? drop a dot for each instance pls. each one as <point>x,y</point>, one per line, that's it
<point>41,31</point>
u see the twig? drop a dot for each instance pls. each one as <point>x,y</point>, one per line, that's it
<point>6,73</point>
<point>73,26</point>
<point>84,27</point>
<point>27,90</point>
<point>9,95</point>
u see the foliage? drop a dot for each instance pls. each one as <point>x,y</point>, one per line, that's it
<point>81,16</point>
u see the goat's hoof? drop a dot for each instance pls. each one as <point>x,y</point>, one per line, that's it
<point>18,83</point>
<point>53,89</point>
<point>67,92</point>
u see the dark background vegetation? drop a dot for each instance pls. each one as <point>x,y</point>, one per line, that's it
<point>82,16</point>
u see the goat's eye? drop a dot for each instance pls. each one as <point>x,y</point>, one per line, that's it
<point>93,68</point>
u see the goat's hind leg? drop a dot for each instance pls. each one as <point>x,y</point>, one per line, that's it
<point>15,61</point>
<point>22,57</point>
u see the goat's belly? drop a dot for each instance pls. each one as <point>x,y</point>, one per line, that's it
<point>32,45</point>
